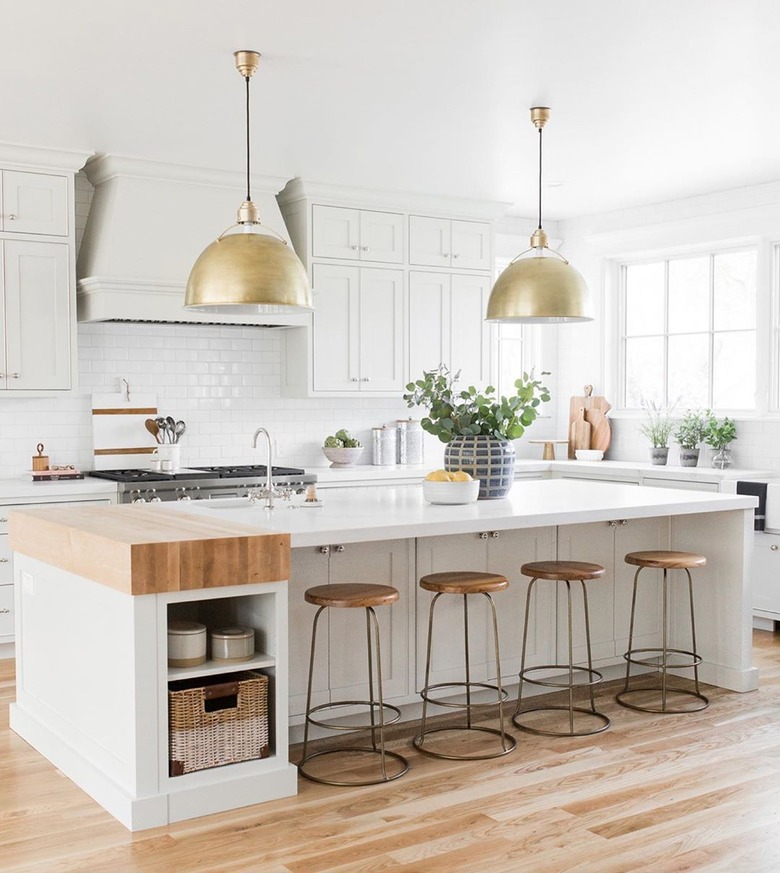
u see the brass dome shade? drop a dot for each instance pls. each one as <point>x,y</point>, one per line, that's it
<point>539,289</point>
<point>241,272</point>
<point>248,272</point>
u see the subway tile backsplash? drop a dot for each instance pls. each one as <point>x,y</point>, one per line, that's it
<point>223,381</point>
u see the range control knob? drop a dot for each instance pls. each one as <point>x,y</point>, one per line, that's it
<point>152,496</point>
<point>135,497</point>
<point>181,494</point>
<point>197,495</point>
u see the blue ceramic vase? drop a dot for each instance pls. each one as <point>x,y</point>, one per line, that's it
<point>487,458</point>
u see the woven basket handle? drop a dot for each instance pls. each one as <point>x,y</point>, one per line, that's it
<point>214,692</point>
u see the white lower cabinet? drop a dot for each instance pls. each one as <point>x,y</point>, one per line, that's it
<point>609,598</point>
<point>340,661</point>
<point>766,575</point>
<point>488,551</point>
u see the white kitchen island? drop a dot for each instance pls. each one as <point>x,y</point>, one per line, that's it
<point>69,650</point>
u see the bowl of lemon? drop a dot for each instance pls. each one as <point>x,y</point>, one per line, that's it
<point>450,486</point>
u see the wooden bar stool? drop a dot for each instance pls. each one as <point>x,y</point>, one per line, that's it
<point>464,584</point>
<point>663,658</point>
<point>354,596</point>
<point>565,572</point>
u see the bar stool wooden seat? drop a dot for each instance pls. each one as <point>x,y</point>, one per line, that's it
<point>354,596</point>
<point>465,584</point>
<point>564,572</point>
<point>666,657</point>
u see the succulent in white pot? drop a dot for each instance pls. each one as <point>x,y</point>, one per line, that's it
<point>342,449</point>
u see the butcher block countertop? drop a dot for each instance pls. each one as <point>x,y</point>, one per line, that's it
<point>142,549</point>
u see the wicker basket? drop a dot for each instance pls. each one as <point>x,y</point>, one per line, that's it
<point>217,720</point>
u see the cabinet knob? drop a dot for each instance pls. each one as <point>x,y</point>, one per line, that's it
<point>12,217</point>
<point>365,248</point>
<point>612,523</point>
<point>495,534</point>
<point>483,535</point>
<point>455,257</point>
<point>2,375</point>
<point>15,375</point>
<point>774,548</point>
<point>354,248</point>
<point>445,255</point>
<point>338,548</point>
<point>324,550</point>
<point>355,379</point>
<point>4,560</point>
<point>3,520</point>
<point>366,379</point>
<point>623,522</point>
<point>4,610</point>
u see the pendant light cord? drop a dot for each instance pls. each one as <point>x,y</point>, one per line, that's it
<point>248,193</point>
<point>540,177</point>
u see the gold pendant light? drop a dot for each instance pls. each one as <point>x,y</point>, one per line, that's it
<point>544,288</point>
<point>248,271</point>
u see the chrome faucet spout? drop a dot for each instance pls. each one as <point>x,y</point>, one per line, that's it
<point>269,488</point>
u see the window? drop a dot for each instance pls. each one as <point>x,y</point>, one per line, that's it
<point>688,333</point>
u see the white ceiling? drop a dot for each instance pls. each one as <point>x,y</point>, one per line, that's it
<point>651,100</point>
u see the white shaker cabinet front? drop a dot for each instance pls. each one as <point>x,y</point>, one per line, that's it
<point>34,203</point>
<point>447,325</point>
<point>36,318</point>
<point>358,329</point>
<point>451,243</point>
<point>357,234</point>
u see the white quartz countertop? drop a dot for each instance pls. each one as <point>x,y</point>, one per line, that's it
<point>25,489</point>
<point>358,515</point>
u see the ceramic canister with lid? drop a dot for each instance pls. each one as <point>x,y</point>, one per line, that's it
<point>232,643</point>
<point>383,446</point>
<point>186,643</point>
<point>410,441</point>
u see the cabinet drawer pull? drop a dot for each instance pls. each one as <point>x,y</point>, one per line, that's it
<point>4,610</point>
<point>495,534</point>
<point>3,520</point>
<point>612,523</point>
<point>4,560</point>
<point>483,535</point>
<point>774,548</point>
<point>324,550</point>
<point>623,522</point>
<point>339,548</point>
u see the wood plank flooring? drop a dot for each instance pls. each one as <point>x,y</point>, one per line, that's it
<point>666,794</point>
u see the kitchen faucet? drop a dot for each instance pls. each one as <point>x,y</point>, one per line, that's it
<point>268,492</point>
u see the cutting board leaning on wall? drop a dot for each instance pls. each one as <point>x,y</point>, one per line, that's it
<point>589,427</point>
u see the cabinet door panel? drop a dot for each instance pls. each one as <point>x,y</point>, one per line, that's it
<point>429,322</point>
<point>382,237</point>
<point>35,203</point>
<point>429,241</point>
<point>385,563</point>
<point>6,564</point>
<point>6,613</point>
<point>37,316</point>
<point>381,330</point>
<point>469,332</point>
<point>471,249</point>
<point>336,232</point>
<point>336,328</point>
<point>765,572</point>
<point>308,567</point>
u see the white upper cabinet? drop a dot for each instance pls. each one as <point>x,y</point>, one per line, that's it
<point>447,325</point>
<point>358,329</point>
<point>450,243</point>
<point>357,234</point>
<point>34,203</point>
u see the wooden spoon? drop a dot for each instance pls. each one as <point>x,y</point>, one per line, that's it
<point>154,430</point>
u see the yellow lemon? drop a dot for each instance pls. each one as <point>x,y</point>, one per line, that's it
<point>438,476</point>
<point>460,476</point>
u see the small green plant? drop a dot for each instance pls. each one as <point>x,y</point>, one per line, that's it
<point>659,423</point>
<point>693,428</point>
<point>720,433</point>
<point>342,439</point>
<point>469,412</point>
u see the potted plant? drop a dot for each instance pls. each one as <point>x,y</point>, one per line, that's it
<point>342,449</point>
<point>719,436</point>
<point>477,426</point>
<point>657,428</point>
<point>690,432</point>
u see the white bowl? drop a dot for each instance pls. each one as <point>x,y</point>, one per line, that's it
<point>342,457</point>
<point>451,492</point>
<point>588,454</point>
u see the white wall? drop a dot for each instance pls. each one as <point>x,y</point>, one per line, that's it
<point>746,215</point>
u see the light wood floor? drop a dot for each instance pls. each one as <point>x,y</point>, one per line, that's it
<point>654,793</point>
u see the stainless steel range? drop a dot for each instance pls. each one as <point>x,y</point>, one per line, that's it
<point>202,483</point>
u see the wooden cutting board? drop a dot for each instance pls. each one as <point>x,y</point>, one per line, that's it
<point>119,433</point>
<point>579,431</point>
<point>596,409</point>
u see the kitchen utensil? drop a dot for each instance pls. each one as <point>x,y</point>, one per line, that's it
<point>579,432</point>
<point>596,409</point>
<point>163,426</point>
<point>179,431</point>
<point>40,461</point>
<point>170,424</point>
<point>154,430</point>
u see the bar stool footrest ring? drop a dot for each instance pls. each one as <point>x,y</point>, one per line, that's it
<point>654,654</point>
<point>484,686</point>
<point>594,676</point>
<point>704,702</point>
<point>508,743</point>
<point>356,783</point>
<point>373,707</point>
<point>604,721</point>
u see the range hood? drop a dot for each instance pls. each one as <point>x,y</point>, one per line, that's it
<point>147,224</point>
